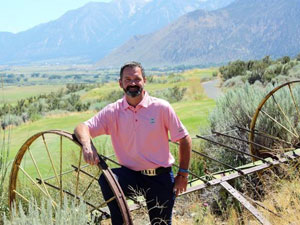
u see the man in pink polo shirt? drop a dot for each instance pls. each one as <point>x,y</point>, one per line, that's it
<point>139,126</point>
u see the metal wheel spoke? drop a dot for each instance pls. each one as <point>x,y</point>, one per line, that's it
<point>39,173</point>
<point>78,198</point>
<point>273,137</point>
<point>51,160</point>
<point>89,175</point>
<point>285,116</point>
<point>106,202</point>
<point>90,184</point>
<point>294,101</point>
<point>279,123</point>
<point>60,171</point>
<point>24,198</point>
<point>78,172</point>
<point>36,184</point>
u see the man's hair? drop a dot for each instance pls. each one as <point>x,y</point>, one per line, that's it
<point>132,64</point>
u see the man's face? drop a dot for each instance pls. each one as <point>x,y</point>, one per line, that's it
<point>132,81</point>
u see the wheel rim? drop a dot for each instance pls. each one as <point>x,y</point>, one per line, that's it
<point>275,123</point>
<point>50,165</point>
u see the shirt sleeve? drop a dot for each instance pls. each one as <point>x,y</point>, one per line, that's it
<point>174,125</point>
<point>98,124</point>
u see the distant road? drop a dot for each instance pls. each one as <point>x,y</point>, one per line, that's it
<point>212,89</point>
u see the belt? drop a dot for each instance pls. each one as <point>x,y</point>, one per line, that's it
<point>157,171</point>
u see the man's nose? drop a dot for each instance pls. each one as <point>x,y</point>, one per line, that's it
<point>132,82</point>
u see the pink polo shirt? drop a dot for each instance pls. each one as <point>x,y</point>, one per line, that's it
<point>139,135</point>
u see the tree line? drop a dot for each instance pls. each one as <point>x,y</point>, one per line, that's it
<point>34,107</point>
<point>264,70</point>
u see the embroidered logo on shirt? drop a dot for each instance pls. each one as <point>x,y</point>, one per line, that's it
<point>152,120</point>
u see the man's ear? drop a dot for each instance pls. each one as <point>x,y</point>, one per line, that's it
<point>120,83</point>
<point>145,80</point>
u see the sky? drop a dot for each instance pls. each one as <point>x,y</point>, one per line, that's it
<point>20,15</point>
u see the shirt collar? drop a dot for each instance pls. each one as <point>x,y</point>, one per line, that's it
<point>144,103</point>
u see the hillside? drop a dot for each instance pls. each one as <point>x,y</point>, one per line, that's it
<point>92,31</point>
<point>243,30</point>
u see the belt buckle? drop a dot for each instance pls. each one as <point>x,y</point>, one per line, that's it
<point>149,172</point>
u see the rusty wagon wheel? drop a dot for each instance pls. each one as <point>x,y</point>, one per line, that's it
<point>275,124</point>
<point>49,165</point>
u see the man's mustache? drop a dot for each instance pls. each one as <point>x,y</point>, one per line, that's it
<point>132,87</point>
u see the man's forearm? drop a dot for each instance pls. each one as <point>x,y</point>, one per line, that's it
<point>185,145</point>
<point>82,134</point>
<point>89,151</point>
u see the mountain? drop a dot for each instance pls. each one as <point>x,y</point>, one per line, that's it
<point>92,31</point>
<point>245,29</point>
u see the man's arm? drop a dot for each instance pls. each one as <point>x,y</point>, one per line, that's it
<point>181,180</point>
<point>90,154</point>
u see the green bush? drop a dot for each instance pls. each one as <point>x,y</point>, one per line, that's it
<point>237,107</point>
<point>71,213</point>
<point>236,68</point>
<point>175,78</point>
<point>172,95</point>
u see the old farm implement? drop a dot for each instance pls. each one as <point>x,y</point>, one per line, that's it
<point>65,174</point>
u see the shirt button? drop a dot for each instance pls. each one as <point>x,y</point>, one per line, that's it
<point>135,120</point>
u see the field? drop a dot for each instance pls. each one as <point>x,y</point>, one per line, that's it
<point>192,110</point>
<point>11,94</point>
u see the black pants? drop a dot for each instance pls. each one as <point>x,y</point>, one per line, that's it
<point>157,190</point>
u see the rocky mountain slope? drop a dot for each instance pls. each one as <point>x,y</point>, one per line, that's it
<point>89,33</point>
<point>243,30</point>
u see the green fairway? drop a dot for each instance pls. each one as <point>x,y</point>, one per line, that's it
<point>11,94</point>
<point>194,114</point>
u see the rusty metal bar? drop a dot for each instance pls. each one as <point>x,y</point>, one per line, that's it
<point>245,172</point>
<point>265,135</point>
<point>245,203</point>
<point>109,159</point>
<point>229,148</point>
<point>291,93</point>
<point>274,120</point>
<point>95,178</point>
<point>215,160</point>
<point>84,172</point>
<point>194,175</point>
<point>249,142</point>
<point>284,114</point>
<point>64,173</point>
<point>72,195</point>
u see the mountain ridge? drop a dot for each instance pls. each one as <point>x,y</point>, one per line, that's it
<point>87,34</point>
<point>245,29</point>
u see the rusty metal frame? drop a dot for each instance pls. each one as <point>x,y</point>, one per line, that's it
<point>114,185</point>
<point>258,110</point>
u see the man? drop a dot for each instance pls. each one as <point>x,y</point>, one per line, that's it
<point>139,126</point>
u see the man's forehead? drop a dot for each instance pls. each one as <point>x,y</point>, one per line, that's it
<point>132,70</point>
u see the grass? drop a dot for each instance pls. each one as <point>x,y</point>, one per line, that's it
<point>11,94</point>
<point>193,114</point>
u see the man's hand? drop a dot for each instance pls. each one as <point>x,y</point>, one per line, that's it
<point>181,182</point>
<point>90,154</point>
